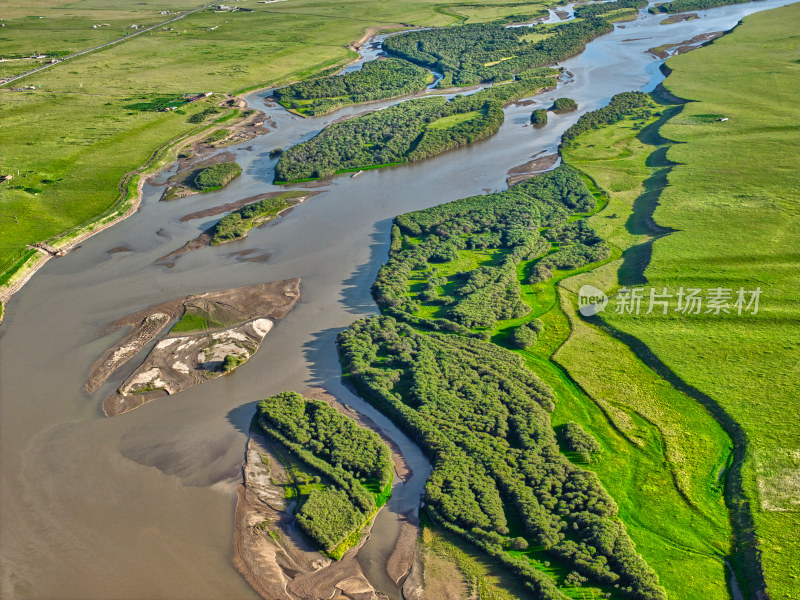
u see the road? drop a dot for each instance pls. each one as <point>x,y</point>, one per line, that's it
<point>111,43</point>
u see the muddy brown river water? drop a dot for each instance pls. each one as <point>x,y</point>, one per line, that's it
<point>141,506</point>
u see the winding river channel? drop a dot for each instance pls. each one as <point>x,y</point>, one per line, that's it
<point>141,506</point>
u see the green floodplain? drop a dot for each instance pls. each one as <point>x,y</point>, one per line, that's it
<point>470,281</point>
<point>618,455</point>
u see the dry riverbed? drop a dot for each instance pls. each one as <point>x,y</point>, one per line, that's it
<point>218,331</point>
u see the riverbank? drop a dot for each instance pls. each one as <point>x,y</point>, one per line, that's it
<point>130,188</point>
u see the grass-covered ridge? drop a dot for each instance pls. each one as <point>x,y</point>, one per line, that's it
<point>413,130</point>
<point>354,467</point>
<point>376,80</point>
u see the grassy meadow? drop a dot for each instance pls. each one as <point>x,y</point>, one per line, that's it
<point>731,197</point>
<point>734,199</point>
<point>70,142</point>
<point>664,455</point>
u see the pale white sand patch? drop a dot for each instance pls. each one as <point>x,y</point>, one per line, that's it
<point>181,367</point>
<point>167,342</point>
<point>230,334</point>
<point>261,326</point>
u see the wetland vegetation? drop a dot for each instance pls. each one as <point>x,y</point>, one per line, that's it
<point>352,468</point>
<point>376,80</point>
<point>216,176</point>
<point>563,105</point>
<point>477,410</point>
<point>235,225</point>
<point>410,131</point>
<point>491,51</point>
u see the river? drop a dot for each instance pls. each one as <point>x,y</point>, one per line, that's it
<point>141,506</point>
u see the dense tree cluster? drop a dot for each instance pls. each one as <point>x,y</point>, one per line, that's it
<point>405,132</point>
<point>335,446</point>
<point>576,439</point>
<point>578,245</point>
<point>485,52</point>
<point>376,80</point>
<point>679,6</point>
<point>622,105</point>
<point>525,335</point>
<point>564,105</point>
<point>595,10</point>
<point>328,517</point>
<point>482,418</point>
<point>235,225</point>
<point>216,176</point>
<point>521,223</point>
<point>329,435</point>
<point>539,117</point>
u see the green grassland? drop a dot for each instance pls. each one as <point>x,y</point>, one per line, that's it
<point>733,198</point>
<point>63,27</point>
<point>672,453</point>
<point>453,120</point>
<point>73,139</point>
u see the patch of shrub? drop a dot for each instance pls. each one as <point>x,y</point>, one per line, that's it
<point>563,105</point>
<point>216,176</point>
<point>539,117</point>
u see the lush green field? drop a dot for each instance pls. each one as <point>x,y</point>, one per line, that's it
<point>669,455</point>
<point>734,200</point>
<point>74,138</point>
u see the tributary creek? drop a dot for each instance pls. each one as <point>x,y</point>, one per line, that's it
<point>141,506</point>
